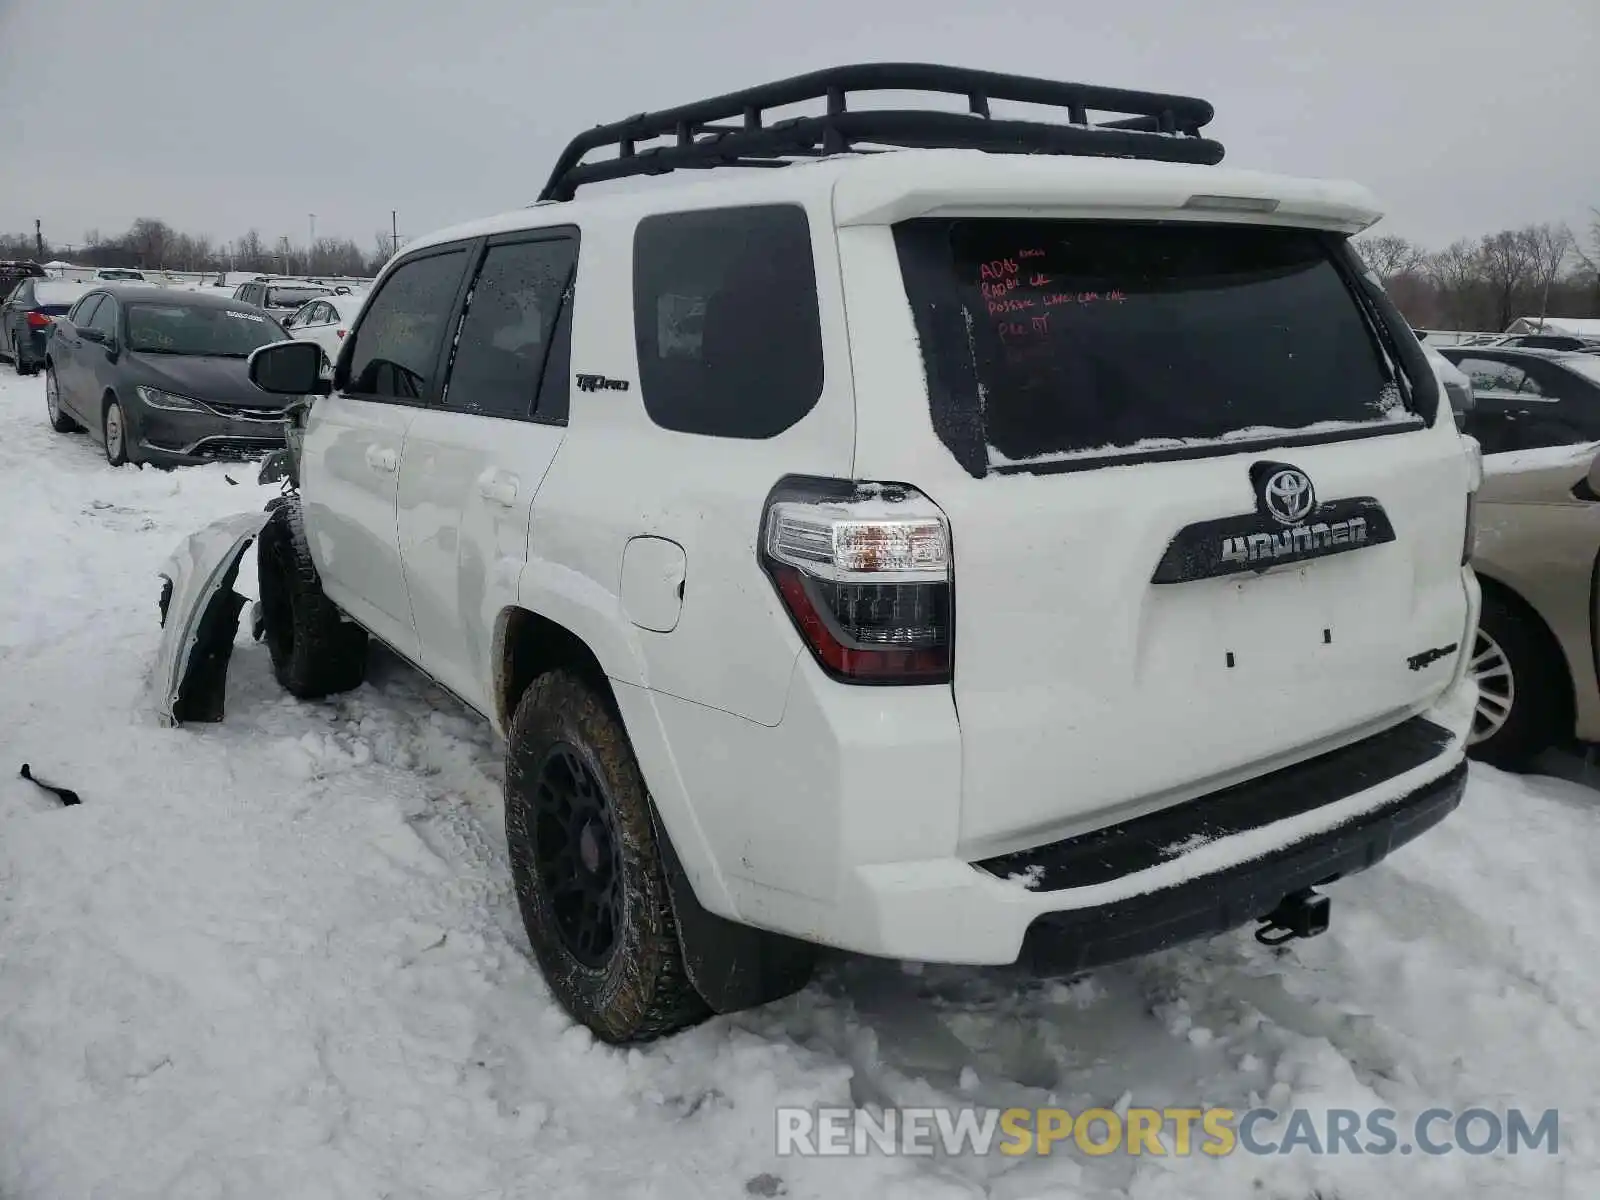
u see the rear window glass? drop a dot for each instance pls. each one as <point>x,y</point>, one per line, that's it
<point>1078,338</point>
<point>292,297</point>
<point>64,295</point>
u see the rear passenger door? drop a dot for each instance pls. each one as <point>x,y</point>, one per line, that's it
<point>474,462</point>
<point>350,468</point>
<point>1518,407</point>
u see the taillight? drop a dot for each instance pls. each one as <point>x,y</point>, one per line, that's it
<point>37,320</point>
<point>864,571</point>
<point>340,334</point>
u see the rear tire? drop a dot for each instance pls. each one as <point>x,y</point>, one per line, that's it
<point>59,421</point>
<point>1524,697</point>
<point>314,651</point>
<point>588,871</point>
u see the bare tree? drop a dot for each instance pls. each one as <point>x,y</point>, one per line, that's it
<point>1457,276</point>
<point>1508,271</point>
<point>1549,246</point>
<point>1389,255</point>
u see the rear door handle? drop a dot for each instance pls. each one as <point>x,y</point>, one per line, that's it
<point>382,458</point>
<point>498,488</point>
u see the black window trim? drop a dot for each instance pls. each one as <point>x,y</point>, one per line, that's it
<point>561,328</point>
<point>941,290</point>
<point>429,398</point>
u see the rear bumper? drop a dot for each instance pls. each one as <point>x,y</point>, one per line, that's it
<point>1199,868</point>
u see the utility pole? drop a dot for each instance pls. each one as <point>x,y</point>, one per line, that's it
<point>394,231</point>
<point>38,245</point>
<point>311,245</point>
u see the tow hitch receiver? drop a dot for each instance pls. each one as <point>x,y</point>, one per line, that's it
<point>1300,914</point>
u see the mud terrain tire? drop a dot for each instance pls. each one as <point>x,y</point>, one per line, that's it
<point>314,652</point>
<point>588,871</point>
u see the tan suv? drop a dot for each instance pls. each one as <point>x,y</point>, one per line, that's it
<point>1536,414</point>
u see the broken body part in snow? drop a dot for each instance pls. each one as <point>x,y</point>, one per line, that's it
<point>199,618</point>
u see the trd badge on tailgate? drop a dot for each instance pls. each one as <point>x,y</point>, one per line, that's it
<point>1289,525</point>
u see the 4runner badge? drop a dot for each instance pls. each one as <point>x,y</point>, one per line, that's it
<point>1289,525</point>
<point>597,383</point>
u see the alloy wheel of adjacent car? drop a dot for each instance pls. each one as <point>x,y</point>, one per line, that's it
<point>577,854</point>
<point>59,421</point>
<point>1497,688</point>
<point>115,434</point>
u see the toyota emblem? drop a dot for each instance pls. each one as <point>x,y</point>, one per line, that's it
<point>1288,496</point>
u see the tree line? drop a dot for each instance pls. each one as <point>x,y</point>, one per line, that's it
<point>152,244</point>
<point>1488,282</point>
<point>1478,284</point>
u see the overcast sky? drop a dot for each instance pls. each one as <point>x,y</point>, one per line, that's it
<point>222,115</point>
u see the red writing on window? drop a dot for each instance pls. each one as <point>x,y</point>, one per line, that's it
<point>1030,254</point>
<point>1000,268</point>
<point>1116,296</point>
<point>993,291</point>
<point>997,307</point>
<point>1037,280</point>
<point>1056,299</point>
<point>1011,331</point>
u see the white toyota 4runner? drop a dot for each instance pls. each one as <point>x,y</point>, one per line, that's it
<point>1032,543</point>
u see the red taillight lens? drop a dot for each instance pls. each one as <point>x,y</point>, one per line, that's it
<point>37,320</point>
<point>340,333</point>
<point>866,581</point>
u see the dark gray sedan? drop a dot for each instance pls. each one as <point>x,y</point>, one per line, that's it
<point>158,375</point>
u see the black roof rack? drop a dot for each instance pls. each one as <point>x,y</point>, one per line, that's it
<point>1156,126</point>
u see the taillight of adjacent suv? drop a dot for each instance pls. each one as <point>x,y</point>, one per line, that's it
<point>38,320</point>
<point>864,571</point>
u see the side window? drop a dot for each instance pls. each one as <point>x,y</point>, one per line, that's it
<point>83,312</point>
<point>22,295</point>
<point>105,317</point>
<point>507,333</point>
<point>397,346</point>
<point>1492,375</point>
<point>725,320</point>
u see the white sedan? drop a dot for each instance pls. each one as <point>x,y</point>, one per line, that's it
<point>326,321</point>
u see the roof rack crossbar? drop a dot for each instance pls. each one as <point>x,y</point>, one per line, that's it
<point>732,129</point>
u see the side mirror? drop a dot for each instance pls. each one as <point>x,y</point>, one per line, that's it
<point>292,368</point>
<point>90,334</point>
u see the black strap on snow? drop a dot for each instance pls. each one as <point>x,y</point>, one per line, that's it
<point>66,795</point>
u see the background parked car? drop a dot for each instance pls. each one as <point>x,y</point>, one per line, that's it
<point>326,321</point>
<point>26,318</point>
<point>1526,399</point>
<point>1538,536</point>
<point>119,274</point>
<point>279,298</point>
<point>14,272</point>
<point>160,376</point>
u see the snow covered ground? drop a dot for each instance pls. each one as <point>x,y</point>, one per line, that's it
<point>279,957</point>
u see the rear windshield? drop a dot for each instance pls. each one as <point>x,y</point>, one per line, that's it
<point>185,329</point>
<point>1084,338</point>
<point>293,297</point>
<point>58,297</point>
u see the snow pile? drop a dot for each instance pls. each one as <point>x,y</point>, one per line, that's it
<point>280,956</point>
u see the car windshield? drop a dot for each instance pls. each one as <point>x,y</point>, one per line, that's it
<point>199,329</point>
<point>293,297</point>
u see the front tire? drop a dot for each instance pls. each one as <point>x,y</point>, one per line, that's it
<point>314,651</point>
<point>1523,693</point>
<point>114,428</point>
<point>588,872</point>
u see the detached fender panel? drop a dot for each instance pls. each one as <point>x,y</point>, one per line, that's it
<point>199,617</point>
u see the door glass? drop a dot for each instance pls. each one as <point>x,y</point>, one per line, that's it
<point>397,346</point>
<point>507,329</point>
<point>105,317</point>
<point>84,313</point>
<point>1490,375</point>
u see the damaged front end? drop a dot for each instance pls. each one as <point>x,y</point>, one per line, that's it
<point>200,610</point>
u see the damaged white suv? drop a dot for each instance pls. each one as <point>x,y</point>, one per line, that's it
<point>1038,544</point>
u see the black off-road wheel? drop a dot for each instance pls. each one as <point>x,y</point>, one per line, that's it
<point>314,652</point>
<point>588,870</point>
<point>1524,695</point>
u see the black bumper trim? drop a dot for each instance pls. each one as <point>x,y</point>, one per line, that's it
<point>1150,840</point>
<point>1078,939</point>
